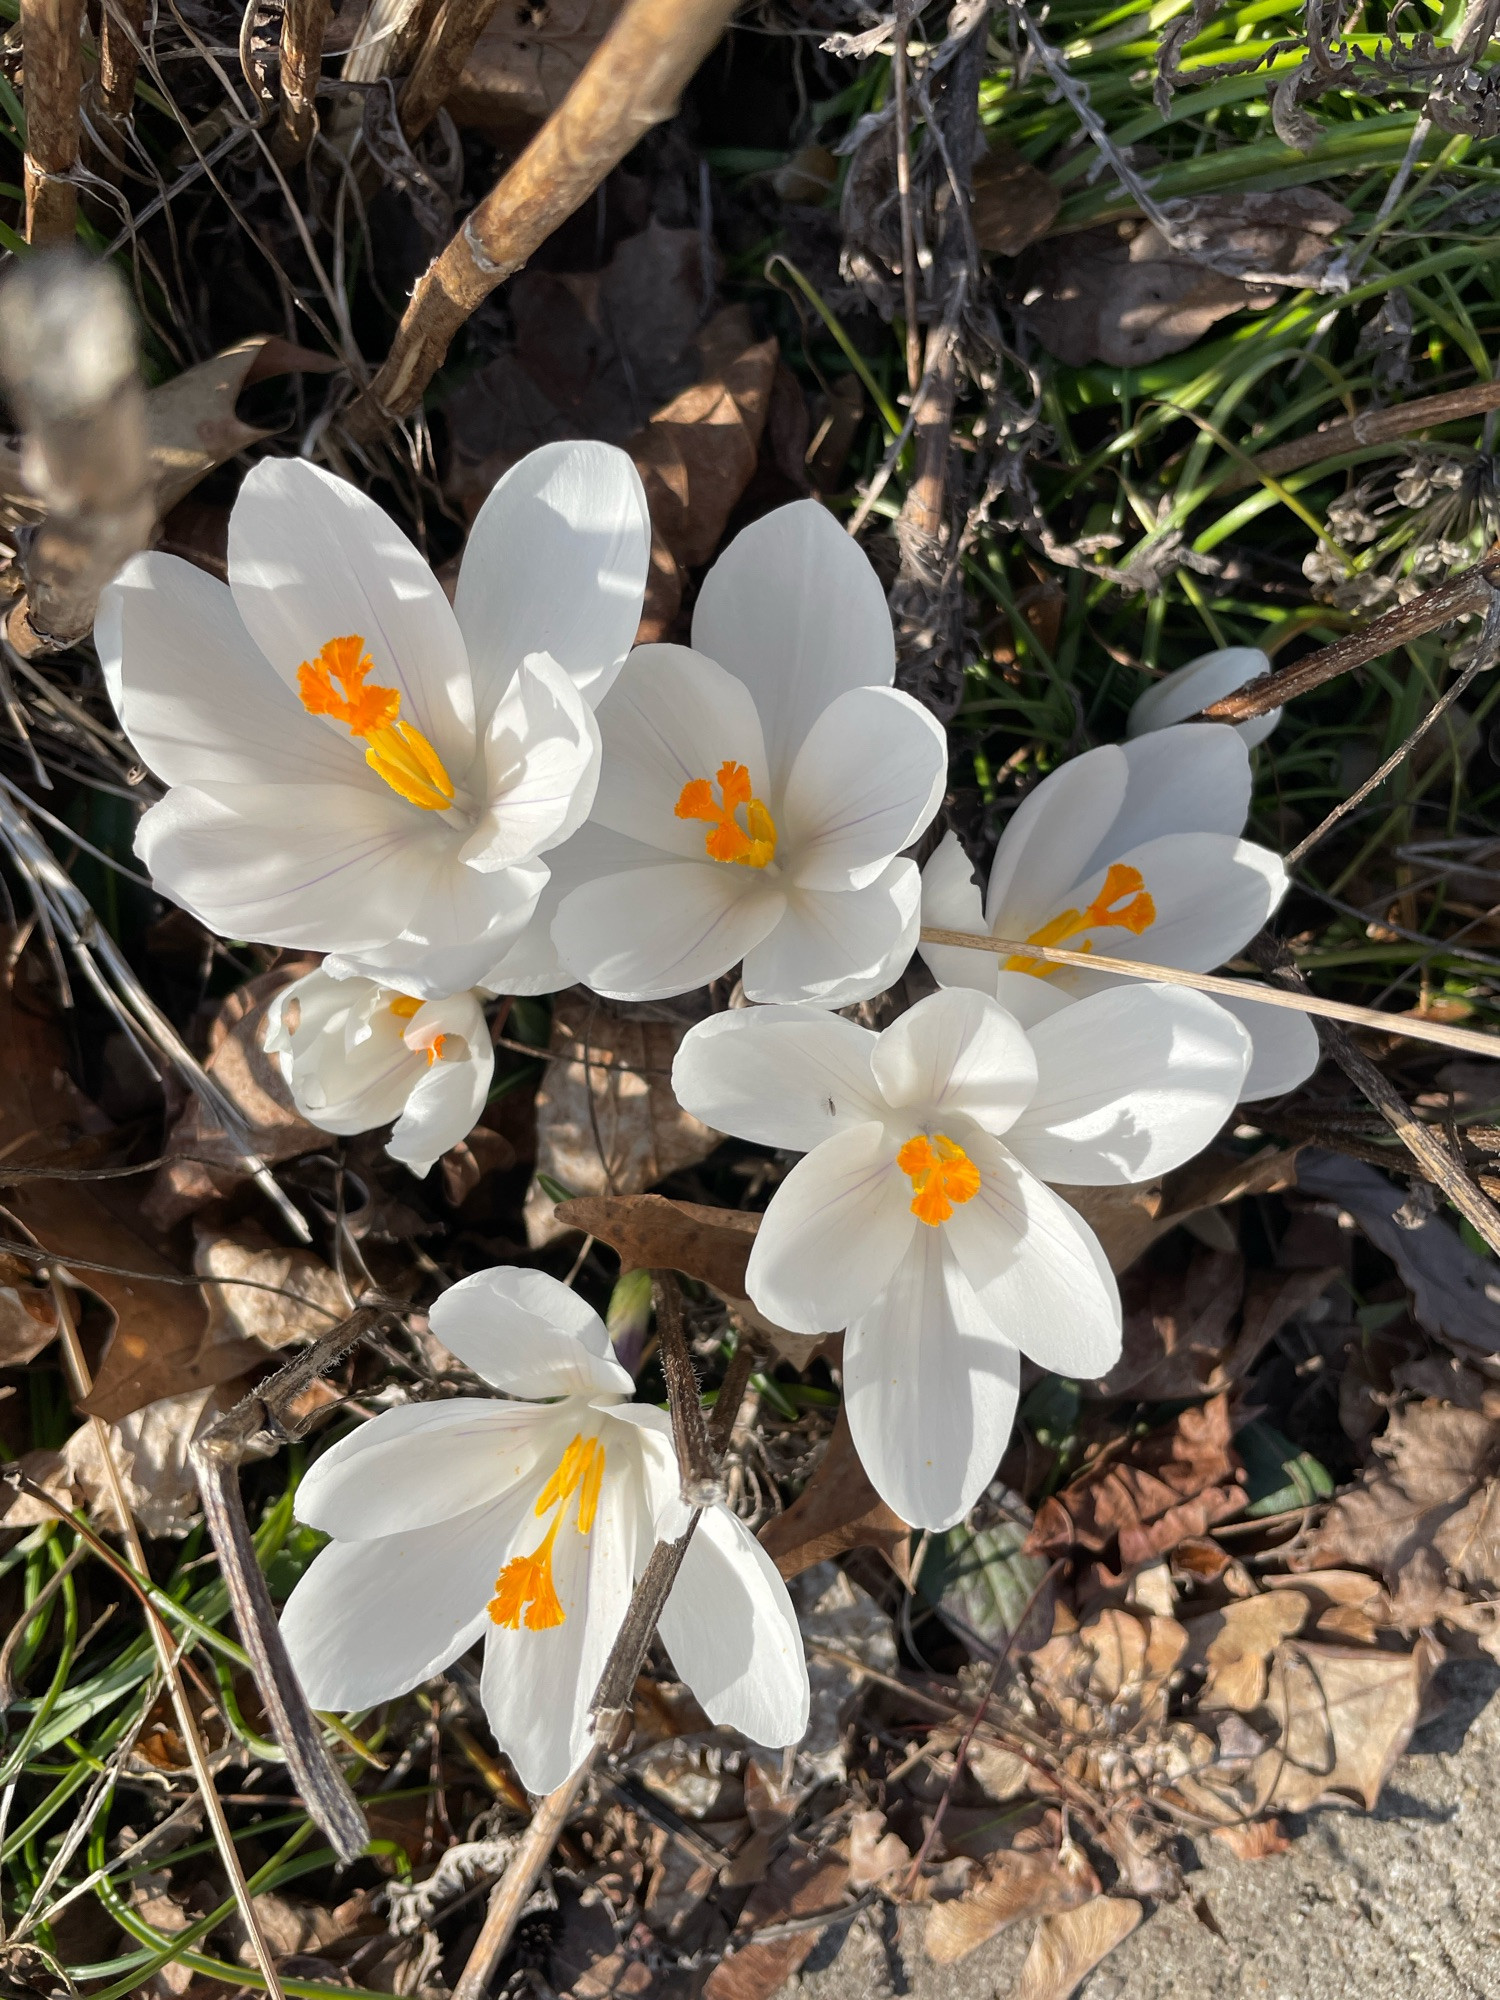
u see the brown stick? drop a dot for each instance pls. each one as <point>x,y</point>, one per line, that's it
<point>1370,427</point>
<point>121,26</point>
<point>1470,592</point>
<point>68,362</point>
<point>51,31</point>
<point>903,190</point>
<point>440,63</point>
<point>631,82</point>
<point>1426,1144</point>
<point>302,29</point>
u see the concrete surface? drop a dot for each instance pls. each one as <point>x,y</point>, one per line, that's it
<point>1401,1904</point>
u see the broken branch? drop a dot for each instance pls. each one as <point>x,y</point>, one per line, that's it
<point>51,34</point>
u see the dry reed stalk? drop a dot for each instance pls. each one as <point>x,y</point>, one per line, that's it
<point>121,26</point>
<point>302,29</point>
<point>1410,1027</point>
<point>440,62</point>
<point>631,83</point>
<point>52,32</point>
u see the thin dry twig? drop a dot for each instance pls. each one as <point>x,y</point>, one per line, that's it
<point>1465,595</point>
<point>631,83</point>
<point>700,1484</point>
<point>1369,427</point>
<point>121,25</point>
<point>216,1457</point>
<point>166,1652</point>
<point>52,35</point>
<point>901,132</point>
<point>1410,1026</point>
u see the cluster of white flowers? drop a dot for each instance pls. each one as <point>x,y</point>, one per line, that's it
<point>502,796</point>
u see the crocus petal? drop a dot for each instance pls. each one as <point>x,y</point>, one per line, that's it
<point>1131,1082</point>
<point>530,963</point>
<point>371,1620</point>
<point>794,609</point>
<point>541,757</point>
<point>323,866</point>
<point>197,697</point>
<point>422,1463</point>
<point>445,1100</point>
<point>661,1481</point>
<point>1194,779</point>
<point>345,1063</point>
<point>780,1076</point>
<point>1050,837</point>
<point>956,1050</point>
<point>526,1333</point>
<point>1284,1047</point>
<point>664,930</point>
<point>835,1230</point>
<point>953,901</point>
<point>537,1686</point>
<point>732,1634</point>
<point>1197,686</point>
<point>835,948</point>
<point>311,558</point>
<point>556,562</point>
<point>463,922</point>
<point>868,778</point>
<point>930,1389</point>
<point>1036,1267</point>
<point>671,719</point>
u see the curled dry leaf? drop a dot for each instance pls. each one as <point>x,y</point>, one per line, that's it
<point>1069,1945</point>
<point>1121,1661</point>
<point>1256,1841</point>
<point>797,1885</point>
<point>607,1122</point>
<point>1175,1482</point>
<point>1343,1716</point>
<point>1455,1292</point>
<point>28,1312</point>
<point>203,1162</point>
<point>652,1233</point>
<point>1122,294</point>
<point>1235,1646</point>
<point>837,1510</point>
<point>1128,1220</point>
<point>308,1297</point>
<point>875,1854</point>
<point>524,63</point>
<point>1012,1884</point>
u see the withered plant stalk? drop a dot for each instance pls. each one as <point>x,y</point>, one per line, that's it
<point>51,33</point>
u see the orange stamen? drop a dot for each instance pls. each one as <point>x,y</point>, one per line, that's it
<point>1122,886</point>
<point>525,1584</point>
<point>405,1006</point>
<point>726,839</point>
<point>941,1174</point>
<point>335,684</point>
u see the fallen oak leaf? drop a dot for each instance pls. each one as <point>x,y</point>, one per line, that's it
<point>257,1291</point>
<point>1070,1944</point>
<point>1235,1646</point>
<point>1175,1482</point>
<point>837,1510</point>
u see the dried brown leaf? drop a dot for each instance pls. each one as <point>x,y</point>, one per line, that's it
<point>652,1233</point>
<point>1069,1945</point>
<point>1121,1661</point>
<point>1344,1716</point>
<point>797,1885</point>
<point>204,1163</point>
<point>607,1122</point>
<point>837,1510</point>
<point>309,1297</point>
<point>1235,1646</point>
<point>1257,1841</point>
<point>193,422</point>
<point>28,1313</point>
<point>875,1853</point>
<point>524,63</point>
<point>1014,202</point>
<point>1012,1884</point>
<point>1175,1482</point>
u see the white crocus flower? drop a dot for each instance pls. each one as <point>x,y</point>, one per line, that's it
<point>1198,685</point>
<point>356,1054</point>
<point>758,788</point>
<point>527,1524</point>
<point>1132,851</point>
<point>355,766</point>
<point>919,1220</point>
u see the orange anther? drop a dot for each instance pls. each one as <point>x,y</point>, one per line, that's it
<point>941,1174</point>
<point>726,839</point>
<point>525,1584</point>
<point>398,752</point>
<point>1135,915</point>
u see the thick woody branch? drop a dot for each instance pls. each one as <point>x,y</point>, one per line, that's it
<point>68,363</point>
<point>1468,594</point>
<point>302,29</point>
<point>51,32</point>
<point>440,63</point>
<point>631,83</point>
